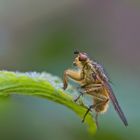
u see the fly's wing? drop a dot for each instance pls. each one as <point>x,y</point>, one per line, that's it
<point>115,103</point>
<point>103,78</point>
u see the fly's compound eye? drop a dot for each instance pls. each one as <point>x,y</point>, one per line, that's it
<point>82,57</point>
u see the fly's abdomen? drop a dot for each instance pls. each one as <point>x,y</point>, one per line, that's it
<point>101,106</point>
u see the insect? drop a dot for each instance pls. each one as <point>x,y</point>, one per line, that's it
<point>93,81</point>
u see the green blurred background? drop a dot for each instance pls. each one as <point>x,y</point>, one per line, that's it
<point>41,35</point>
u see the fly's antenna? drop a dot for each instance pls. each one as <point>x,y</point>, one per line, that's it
<point>76,52</point>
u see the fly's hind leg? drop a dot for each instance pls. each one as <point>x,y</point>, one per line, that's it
<point>102,98</point>
<point>89,109</point>
<point>97,113</point>
<point>96,119</point>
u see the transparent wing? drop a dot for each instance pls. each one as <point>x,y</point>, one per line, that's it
<point>115,103</point>
<point>102,76</point>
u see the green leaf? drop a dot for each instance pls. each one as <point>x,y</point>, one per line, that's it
<point>43,85</point>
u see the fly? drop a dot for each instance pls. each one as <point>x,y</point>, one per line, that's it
<point>93,81</point>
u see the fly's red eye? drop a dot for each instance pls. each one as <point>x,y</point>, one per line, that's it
<point>82,57</point>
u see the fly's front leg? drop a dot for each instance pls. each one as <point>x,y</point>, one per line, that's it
<point>74,75</point>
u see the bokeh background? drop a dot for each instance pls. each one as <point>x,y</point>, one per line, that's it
<point>41,35</point>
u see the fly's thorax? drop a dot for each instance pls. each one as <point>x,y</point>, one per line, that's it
<point>88,73</point>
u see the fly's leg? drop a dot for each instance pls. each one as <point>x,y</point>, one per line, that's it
<point>97,113</point>
<point>93,107</point>
<point>75,75</point>
<point>95,93</point>
<point>89,109</point>
<point>81,94</point>
<point>96,87</point>
<point>103,99</point>
<point>96,119</point>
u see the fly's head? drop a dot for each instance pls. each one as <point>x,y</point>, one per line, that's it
<point>80,59</point>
